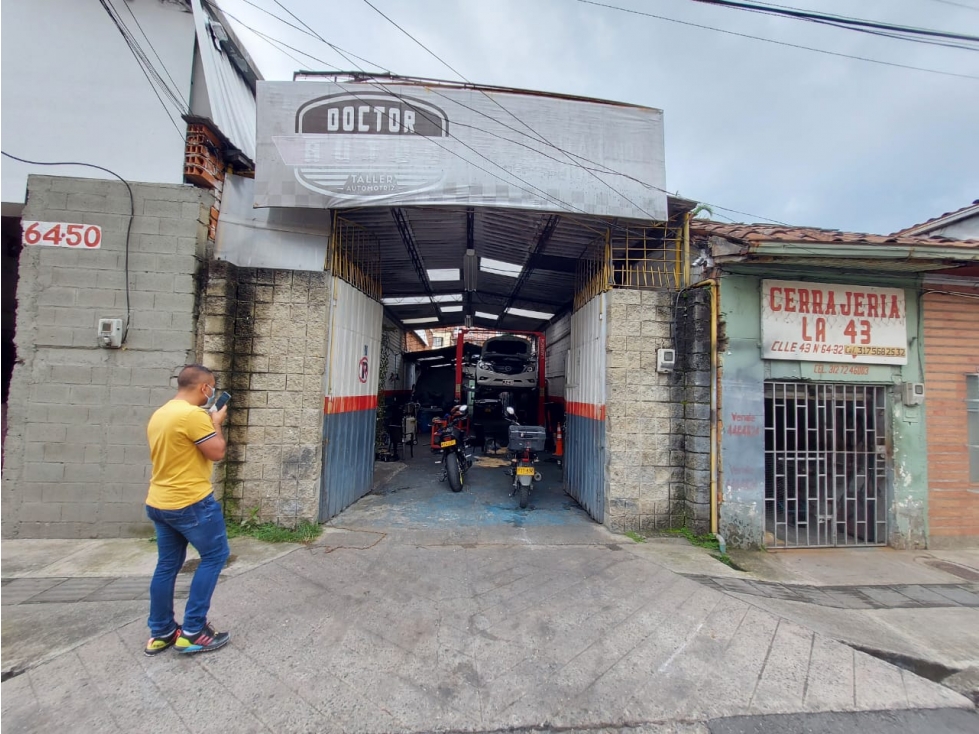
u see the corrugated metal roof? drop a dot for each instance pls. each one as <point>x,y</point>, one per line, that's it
<point>440,237</point>
<point>231,99</point>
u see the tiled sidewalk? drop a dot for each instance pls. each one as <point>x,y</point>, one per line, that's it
<point>890,596</point>
<point>62,590</point>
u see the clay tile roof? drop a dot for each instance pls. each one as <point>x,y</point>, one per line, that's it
<point>759,233</point>
<point>940,217</point>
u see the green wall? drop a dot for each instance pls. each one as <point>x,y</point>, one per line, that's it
<point>743,373</point>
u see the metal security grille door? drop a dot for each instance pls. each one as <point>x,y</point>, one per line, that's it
<point>826,461</point>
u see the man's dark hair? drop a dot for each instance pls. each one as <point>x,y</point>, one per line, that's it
<point>193,374</point>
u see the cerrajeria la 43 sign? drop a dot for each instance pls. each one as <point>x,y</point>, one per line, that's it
<point>821,322</point>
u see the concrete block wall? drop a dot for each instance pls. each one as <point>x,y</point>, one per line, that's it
<point>645,416</point>
<point>693,377</point>
<point>265,334</point>
<point>76,461</point>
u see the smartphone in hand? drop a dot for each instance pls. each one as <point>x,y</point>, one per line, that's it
<point>222,400</point>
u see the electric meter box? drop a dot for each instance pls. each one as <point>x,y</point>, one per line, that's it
<point>110,333</point>
<point>913,393</point>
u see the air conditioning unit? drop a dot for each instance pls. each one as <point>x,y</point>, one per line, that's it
<point>665,360</point>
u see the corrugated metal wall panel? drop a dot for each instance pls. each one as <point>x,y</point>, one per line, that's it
<point>586,381</point>
<point>348,459</point>
<point>585,407</point>
<point>351,399</point>
<point>584,472</point>
<point>355,334</point>
<point>231,100</point>
<point>558,340</point>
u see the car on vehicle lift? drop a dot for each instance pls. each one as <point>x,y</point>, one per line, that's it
<point>507,361</point>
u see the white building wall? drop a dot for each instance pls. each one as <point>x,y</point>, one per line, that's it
<point>964,229</point>
<point>72,90</point>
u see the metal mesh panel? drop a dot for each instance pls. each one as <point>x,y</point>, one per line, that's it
<point>355,256</point>
<point>826,454</point>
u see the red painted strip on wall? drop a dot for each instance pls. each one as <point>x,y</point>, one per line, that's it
<point>585,410</point>
<point>349,404</point>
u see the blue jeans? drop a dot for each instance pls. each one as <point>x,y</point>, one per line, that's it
<point>202,525</point>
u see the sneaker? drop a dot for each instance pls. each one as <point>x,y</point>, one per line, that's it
<point>156,645</point>
<point>204,641</point>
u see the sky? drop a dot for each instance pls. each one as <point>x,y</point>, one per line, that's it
<point>771,131</point>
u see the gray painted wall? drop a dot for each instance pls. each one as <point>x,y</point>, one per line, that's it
<point>76,462</point>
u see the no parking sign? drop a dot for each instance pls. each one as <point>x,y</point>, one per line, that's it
<point>364,369</point>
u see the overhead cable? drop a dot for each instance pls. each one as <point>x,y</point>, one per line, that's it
<point>564,205</point>
<point>776,42</point>
<point>842,20</point>
<point>539,137</point>
<point>129,227</point>
<point>156,82</point>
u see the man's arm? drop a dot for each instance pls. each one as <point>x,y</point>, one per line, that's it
<point>214,446</point>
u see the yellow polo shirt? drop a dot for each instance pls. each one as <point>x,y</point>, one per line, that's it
<point>181,473</point>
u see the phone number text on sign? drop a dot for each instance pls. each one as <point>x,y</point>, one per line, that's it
<point>60,234</point>
<point>833,323</point>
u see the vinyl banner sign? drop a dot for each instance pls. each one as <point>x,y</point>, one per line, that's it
<point>818,322</point>
<point>356,144</point>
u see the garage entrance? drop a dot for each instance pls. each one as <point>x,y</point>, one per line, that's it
<point>826,465</point>
<point>502,210</point>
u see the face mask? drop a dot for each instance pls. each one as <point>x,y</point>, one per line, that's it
<point>211,398</point>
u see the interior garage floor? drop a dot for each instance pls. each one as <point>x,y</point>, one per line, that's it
<point>414,501</point>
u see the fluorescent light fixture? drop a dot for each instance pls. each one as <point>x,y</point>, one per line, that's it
<point>405,300</point>
<point>421,300</point>
<point>498,267</point>
<point>450,309</point>
<point>484,315</point>
<point>447,274</point>
<point>529,314</point>
<point>470,268</point>
<point>427,359</point>
<point>425,320</point>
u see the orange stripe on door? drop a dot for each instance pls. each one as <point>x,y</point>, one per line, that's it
<point>349,404</point>
<point>585,410</point>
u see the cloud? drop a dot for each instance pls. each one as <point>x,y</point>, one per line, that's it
<point>776,131</point>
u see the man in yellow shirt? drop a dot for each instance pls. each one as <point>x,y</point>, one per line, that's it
<point>185,441</point>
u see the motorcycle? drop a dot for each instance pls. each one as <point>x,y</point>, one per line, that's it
<point>525,442</point>
<point>451,437</point>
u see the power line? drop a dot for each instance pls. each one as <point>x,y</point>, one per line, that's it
<point>958,5</point>
<point>540,137</point>
<point>142,62</point>
<point>300,29</point>
<point>129,228</point>
<point>272,41</point>
<point>839,19</point>
<point>778,43</point>
<point>540,192</point>
<point>869,31</point>
<point>150,44</point>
